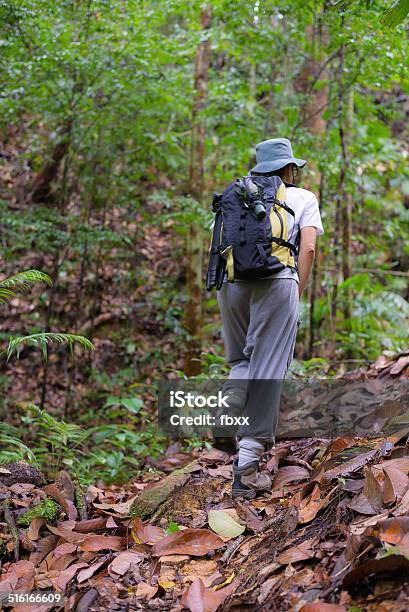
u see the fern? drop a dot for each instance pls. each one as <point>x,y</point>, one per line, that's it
<point>42,340</point>
<point>20,283</point>
<point>59,433</point>
<point>13,449</point>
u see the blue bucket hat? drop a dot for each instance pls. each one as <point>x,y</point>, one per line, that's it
<point>273,154</point>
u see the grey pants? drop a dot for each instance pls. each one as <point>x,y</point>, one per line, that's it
<point>260,326</point>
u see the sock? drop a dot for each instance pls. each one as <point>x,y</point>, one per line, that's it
<point>250,449</point>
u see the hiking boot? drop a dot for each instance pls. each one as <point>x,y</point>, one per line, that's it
<point>248,480</point>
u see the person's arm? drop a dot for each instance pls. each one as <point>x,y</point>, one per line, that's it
<point>306,255</point>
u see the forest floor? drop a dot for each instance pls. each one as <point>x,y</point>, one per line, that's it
<point>333,534</point>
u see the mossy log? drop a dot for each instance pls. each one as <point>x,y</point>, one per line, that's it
<point>150,499</point>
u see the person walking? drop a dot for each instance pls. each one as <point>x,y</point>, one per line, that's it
<point>260,315</point>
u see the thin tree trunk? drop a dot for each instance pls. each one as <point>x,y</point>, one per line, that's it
<point>193,320</point>
<point>314,69</point>
<point>41,188</point>
<point>315,285</point>
<point>345,134</point>
<point>344,201</point>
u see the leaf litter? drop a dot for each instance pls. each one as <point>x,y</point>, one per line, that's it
<point>333,534</point>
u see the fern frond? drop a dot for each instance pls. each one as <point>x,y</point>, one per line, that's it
<point>396,13</point>
<point>21,282</point>
<point>42,340</point>
<point>58,430</point>
<point>6,295</point>
<point>13,449</point>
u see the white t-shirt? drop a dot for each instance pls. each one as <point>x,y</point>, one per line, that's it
<point>307,214</point>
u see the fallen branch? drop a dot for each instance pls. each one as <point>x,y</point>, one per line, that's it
<point>15,534</point>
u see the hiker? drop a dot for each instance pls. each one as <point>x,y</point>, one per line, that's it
<point>259,310</point>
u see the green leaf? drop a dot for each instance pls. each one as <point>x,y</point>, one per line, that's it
<point>20,283</point>
<point>42,340</point>
<point>133,404</point>
<point>396,13</point>
<point>171,528</point>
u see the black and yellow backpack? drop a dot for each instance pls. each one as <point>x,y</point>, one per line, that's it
<point>250,233</point>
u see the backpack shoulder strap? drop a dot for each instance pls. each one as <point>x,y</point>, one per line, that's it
<point>281,193</point>
<point>281,197</point>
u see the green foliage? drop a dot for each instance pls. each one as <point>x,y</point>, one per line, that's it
<point>133,404</point>
<point>57,443</point>
<point>47,508</point>
<point>122,81</point>
<point>396,13</point>
<point>12,448</point>
<point>21,282</point>
<point>171,528</point>
<point>42,340</point>
<point>115,85</point>
<point>108,451</point>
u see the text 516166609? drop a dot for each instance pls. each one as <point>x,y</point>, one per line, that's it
<point>33,598</point>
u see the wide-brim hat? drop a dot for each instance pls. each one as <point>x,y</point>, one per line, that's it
<point>273,154</point>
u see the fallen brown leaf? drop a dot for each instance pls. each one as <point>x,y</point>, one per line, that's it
<point>90,525</point>
<point>310,506</point>
<point>403,507</point>
<point>199,598</point>
<point>396,485</point>
<point>44,546</point>
<point>299,552</point>
<point>87,572</point>
<point>288,474</point>
<point>346,468</point>
<point>199,567</point>
<point>392,530</point>
<point>19,576</point>
<point>146,591</point>
<point>122,562</point>
<point>375,566</point>
<point>68,534</point>
<point>33,532</point>
<point>67,575</point>
<point>101,542</point>
<point>146,534</point>
<point>195,542</point>
<point>372,490</point>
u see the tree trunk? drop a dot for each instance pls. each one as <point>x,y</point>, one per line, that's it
<point>315,285</point>
<point>313,70</point>
<point>345,108</point>
<point>193,320</point>
<point>41,188</point>
<point>346,138</point>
